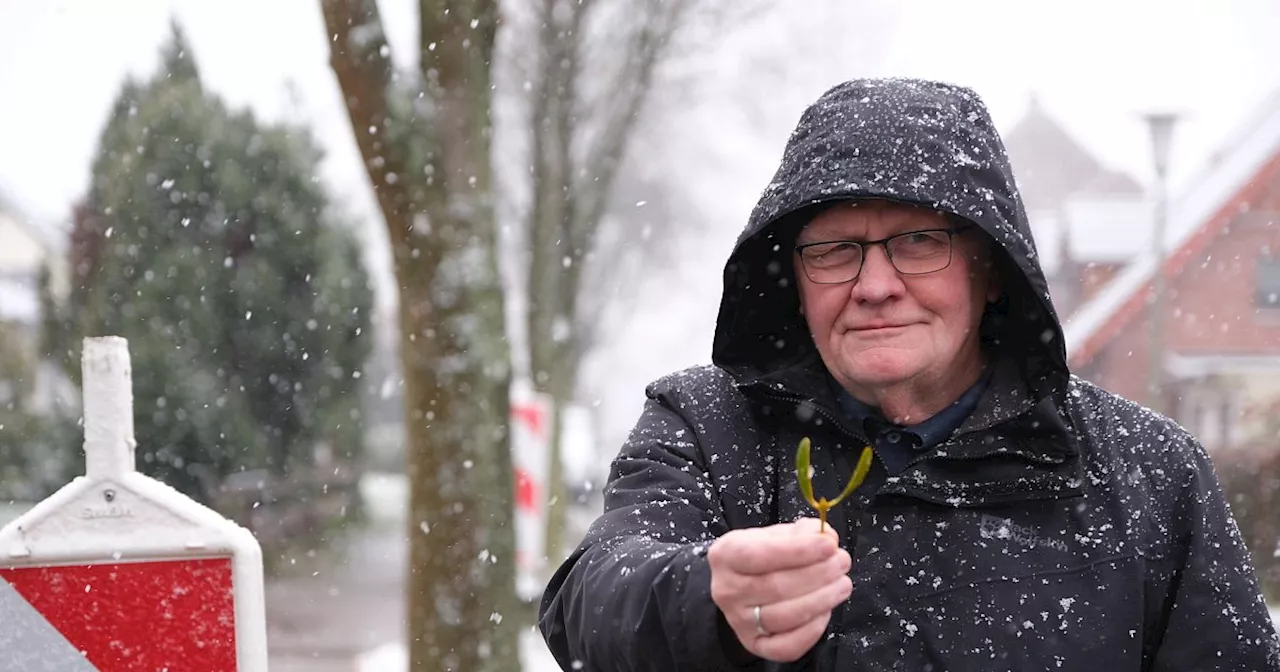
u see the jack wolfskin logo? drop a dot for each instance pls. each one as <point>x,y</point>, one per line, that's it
<point>991,527</point>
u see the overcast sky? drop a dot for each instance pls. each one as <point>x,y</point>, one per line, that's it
<point>1095,64</point>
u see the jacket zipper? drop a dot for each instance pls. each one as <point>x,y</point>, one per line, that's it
<point>889,487</point>
<point>838,422</point>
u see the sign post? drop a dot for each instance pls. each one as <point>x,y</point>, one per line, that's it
<point>531,432</point>
<point>117,571</point>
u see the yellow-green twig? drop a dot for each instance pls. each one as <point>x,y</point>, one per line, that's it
<point>804,475</point>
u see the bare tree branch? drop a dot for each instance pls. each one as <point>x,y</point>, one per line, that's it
<point>595,64</point>
<point>360,59</point>
<point>648,48</point>
<point>641,224</point>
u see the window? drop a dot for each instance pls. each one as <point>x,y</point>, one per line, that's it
<point>1267,282</point>
<point>1210,407</point>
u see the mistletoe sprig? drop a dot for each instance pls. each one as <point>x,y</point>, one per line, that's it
<point>804,475</point>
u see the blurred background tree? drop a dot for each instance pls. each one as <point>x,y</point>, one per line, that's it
<point>206,240</point>
<point>590,70</point>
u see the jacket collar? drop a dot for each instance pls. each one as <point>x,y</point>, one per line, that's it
<point>1024,447</point>
<point>926,434</point>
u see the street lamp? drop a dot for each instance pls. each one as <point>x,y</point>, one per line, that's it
<point>1160,125</point>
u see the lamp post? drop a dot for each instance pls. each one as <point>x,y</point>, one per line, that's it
<point>1160,125</point>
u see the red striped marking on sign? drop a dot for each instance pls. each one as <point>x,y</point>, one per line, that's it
<point>173,615</point>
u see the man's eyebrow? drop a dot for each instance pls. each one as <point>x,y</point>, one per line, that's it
<point>822,237</point>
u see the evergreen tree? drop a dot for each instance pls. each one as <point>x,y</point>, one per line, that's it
<point>207,241</point>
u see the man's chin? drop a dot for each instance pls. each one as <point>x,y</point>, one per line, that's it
<point>882,371</point>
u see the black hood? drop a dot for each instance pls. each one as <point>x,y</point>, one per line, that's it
<point>919,142</point>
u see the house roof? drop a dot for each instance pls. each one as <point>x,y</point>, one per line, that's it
<point>1089,229</point>
<point>1224,188</point>
<point>6,202</point>
<point>1109,229</point>
<point>47,236</point>
<point>1051,165</point>
<point>19,302</point>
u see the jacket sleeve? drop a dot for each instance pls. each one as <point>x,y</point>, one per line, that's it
<point>1215,616</point>
<point>636,594</point>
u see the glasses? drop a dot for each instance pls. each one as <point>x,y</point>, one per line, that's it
<point>911,253</point>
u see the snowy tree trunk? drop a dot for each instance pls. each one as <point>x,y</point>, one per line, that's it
<point>428,158</point>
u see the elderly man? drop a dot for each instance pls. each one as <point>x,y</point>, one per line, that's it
<point>887,293</point>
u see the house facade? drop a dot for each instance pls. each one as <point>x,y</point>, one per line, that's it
<point>26,252</point>
<point>1221,325</point>
<point>1089,220</point>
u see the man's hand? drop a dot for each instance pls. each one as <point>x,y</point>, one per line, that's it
<point>793,573</point>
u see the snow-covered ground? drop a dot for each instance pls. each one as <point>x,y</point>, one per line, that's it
<point>386,496</point>
<point>394,657</point>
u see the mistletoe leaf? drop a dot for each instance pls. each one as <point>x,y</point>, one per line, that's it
<point>803,473</point>
<point>859,475</point>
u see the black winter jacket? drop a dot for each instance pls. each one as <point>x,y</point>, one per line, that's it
<point>1059,528</point>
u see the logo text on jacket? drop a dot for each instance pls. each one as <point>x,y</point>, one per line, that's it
<point>992,527</point>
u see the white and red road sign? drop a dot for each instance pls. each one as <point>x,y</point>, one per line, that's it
<point>532,415</point>
<point>118,571</point>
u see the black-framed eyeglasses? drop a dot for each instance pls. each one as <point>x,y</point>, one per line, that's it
<point>834,262</point>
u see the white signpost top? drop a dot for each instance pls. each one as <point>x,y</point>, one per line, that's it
<point>113,514</point>
<point>108,408</point>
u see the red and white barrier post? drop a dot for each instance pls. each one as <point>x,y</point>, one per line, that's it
<point>117,571</point>
<point>532,415</point>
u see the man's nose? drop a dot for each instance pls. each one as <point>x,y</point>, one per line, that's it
<point>879,280</point>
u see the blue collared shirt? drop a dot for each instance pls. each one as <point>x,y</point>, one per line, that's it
<point>896,445</point>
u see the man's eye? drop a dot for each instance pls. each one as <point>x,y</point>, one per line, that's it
<point>822,249</point>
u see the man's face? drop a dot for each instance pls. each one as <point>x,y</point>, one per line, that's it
<point>886,328</point>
